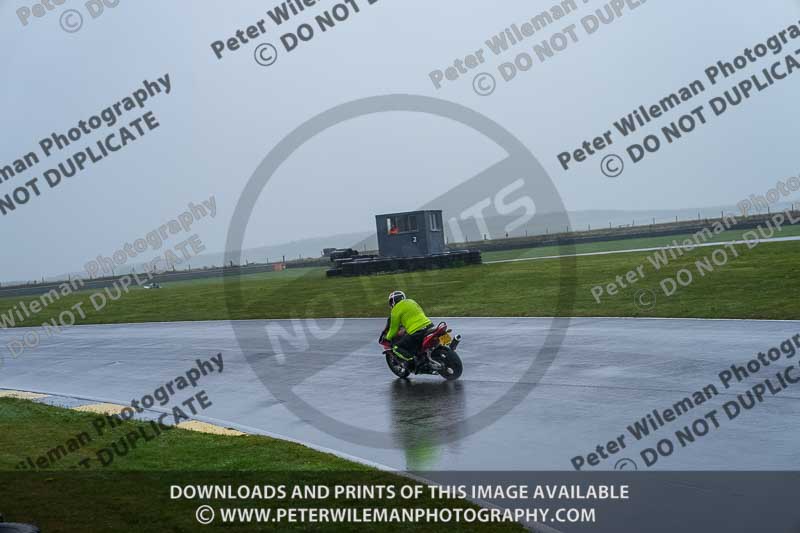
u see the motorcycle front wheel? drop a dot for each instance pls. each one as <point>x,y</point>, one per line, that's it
<point>397,367</point>
<point>451,362</point>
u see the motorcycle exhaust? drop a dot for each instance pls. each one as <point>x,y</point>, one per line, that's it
<point>454,343</point>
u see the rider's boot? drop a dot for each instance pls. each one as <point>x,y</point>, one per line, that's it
<point>419,362</point>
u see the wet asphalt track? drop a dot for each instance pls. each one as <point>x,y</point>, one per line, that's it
<point>608,373</point>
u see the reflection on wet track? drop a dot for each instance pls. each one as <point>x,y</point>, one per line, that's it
<point>609,374</point>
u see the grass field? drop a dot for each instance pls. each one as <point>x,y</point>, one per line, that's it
<point>761,283</point>
<point>626,244</point>
<point>133,492</point>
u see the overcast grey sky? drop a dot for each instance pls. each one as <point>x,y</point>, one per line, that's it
<point>223,117</point>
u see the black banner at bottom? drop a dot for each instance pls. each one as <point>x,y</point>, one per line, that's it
<point>729,502</point>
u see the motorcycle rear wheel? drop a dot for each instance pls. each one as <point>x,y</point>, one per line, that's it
<point>396,366</point>
<point>453,368</point>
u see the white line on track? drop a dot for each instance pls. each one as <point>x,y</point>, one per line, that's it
<point>656,249</point>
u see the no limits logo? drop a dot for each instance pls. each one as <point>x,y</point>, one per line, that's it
<point>292,358</point>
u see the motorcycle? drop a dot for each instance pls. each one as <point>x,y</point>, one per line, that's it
<point>438,354</point>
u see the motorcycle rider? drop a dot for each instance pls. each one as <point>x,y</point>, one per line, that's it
<point>408,314</point>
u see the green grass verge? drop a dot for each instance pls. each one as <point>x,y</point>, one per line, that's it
<point>626,244</point>
<point>761,283</point>
<point>133,492</point>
